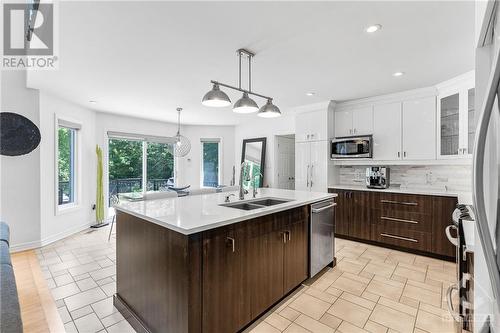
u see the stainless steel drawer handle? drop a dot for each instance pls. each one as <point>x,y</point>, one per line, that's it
<point>232,243</point>
<point>398,220</point>
<point>399,237</point>
<point>319,210</point>
<point>400,202</point>
<point>449,303</point>
<point>453,240</point>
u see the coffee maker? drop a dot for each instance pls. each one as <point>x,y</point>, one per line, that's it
<point>377,177</point>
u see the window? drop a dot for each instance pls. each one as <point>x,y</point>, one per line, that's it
<point>210,162</point>
<point>67,163</point>
<point>137,164</point>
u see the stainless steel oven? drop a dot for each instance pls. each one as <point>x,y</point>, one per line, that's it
<point>352,147</point>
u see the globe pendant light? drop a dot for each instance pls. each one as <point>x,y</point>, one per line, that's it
<point>245,105</point>
<point>182,146</point>
<point>269,110</point>
<point>216,98</point>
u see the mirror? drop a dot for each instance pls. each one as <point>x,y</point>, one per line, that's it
<point>253,153</point>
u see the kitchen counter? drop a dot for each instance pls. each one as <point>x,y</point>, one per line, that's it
<point>192,214</point>
<point>463,197</point>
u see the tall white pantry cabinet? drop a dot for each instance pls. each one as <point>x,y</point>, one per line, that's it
<point>312,135</point>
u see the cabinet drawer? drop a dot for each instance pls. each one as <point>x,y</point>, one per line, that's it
<point>402,219</point>
<point>395,202</point>
<point>402,237</point>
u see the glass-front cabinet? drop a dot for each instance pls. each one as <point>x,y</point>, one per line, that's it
<point>456,121</point>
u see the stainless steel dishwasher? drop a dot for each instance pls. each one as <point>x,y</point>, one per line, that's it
<point>322,240</point>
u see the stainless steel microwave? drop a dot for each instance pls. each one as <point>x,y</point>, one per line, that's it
<point>352,147</point>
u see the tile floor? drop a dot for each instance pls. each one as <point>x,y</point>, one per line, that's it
<point>372,289</point>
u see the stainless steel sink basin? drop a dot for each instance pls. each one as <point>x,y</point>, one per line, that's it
<point>255,203</point>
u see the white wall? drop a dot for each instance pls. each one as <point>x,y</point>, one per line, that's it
<point>55,226</point>
<point>260,127</point>
<point>20,175</point>
<point>190,166</point>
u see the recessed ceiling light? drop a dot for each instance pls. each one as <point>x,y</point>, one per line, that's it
<point>310,93</point>
<point>373,28</point>
<point>398,74</point>
<point>92,101</point>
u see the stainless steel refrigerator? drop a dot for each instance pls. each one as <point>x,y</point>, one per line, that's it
<point>486,169</point>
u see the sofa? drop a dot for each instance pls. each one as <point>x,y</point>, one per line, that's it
<point>10,313</point>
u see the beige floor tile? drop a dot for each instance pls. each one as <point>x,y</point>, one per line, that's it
<point>289,313</point>
<point>395,257</point>
<point>330,320</point>
<point>310,306</point>
<point>380,268</point>
<point>377,256</point>
<point>347,284</point>
<point>398,306</point>
<point>334,291</point>
<point>409,301</point>
<point>410,274</point>
<point>385,289</point>
<point>350,265</point>
<point>313,325</point>
<point>429,262</point>
<point>277,321</point>
<point>394,319</point>
<point>433,323</point>
<point>264,327</point>
<point>426,286</point>
<point>322,295</point>
<point>358,300</point>
<point>366,275</point>
<point>398,278</point>
<point>346,327</point>
<point>374,327</point>
<point>294,328</point>
<point>422,295</point>
<point>353,313</point>
<point>322,284</point>
<point>370,296</point>
<point>441,276</point>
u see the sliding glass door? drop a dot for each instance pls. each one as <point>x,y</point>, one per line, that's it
<point>137,166</point>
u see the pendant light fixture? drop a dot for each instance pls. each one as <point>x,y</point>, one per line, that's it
<point>182,146</point>
<point>217,98</point>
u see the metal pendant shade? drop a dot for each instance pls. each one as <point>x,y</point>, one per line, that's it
<point>269,110</point>
<point>216,98</point>
<point>182,145</point>
<point>245,105</point>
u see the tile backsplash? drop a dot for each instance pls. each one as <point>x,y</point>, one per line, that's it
<point>454,178</point>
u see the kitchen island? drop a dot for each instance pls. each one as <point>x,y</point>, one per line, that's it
<point>200,264</point>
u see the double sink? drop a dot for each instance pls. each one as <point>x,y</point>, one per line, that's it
<point>255,204</point>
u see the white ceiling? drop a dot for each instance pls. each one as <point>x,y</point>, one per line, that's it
<point>146,58</point>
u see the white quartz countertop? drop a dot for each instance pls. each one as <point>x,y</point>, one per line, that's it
<point>195,213</point>
<point>463,197</point>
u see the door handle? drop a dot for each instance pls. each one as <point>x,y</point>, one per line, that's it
<point>230,239</point>
<point>311,179</point>
<point>399,154</point>
<point>288,235</point>
<point>319,210</point>
<point>453,240</point>
<point>449,303</point>
<point>307,175</point>
<point>284,237</point>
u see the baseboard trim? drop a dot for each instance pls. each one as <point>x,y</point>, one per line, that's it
<point>48,240</point>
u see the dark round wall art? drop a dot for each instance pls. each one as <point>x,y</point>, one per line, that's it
<point>18,134</point>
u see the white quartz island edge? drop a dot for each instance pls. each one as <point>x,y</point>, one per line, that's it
<point>194,213</point>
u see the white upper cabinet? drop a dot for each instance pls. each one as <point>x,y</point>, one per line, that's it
<point>387,131</point>
<point>456,118</point>
<point>312,126</point>
<point>351,122</point>
<point>419,129</point>
<point>343,123</point>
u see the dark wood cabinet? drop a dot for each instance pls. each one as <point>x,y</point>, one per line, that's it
<point>405,221</point>
<point>226,304</point>
<point>295,250</point>
<point>352,214</point>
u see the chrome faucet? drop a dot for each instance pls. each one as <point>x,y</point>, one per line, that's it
<point>242,174</point>
<point>255,183</point>
<point>228,196</point>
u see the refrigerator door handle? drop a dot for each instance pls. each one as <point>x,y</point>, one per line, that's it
<point>478,177</point>
<point>453,240</point>
<point>449,303</point>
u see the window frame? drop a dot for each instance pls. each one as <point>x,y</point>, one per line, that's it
<point>77,191</point>
<point>219,160</point>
